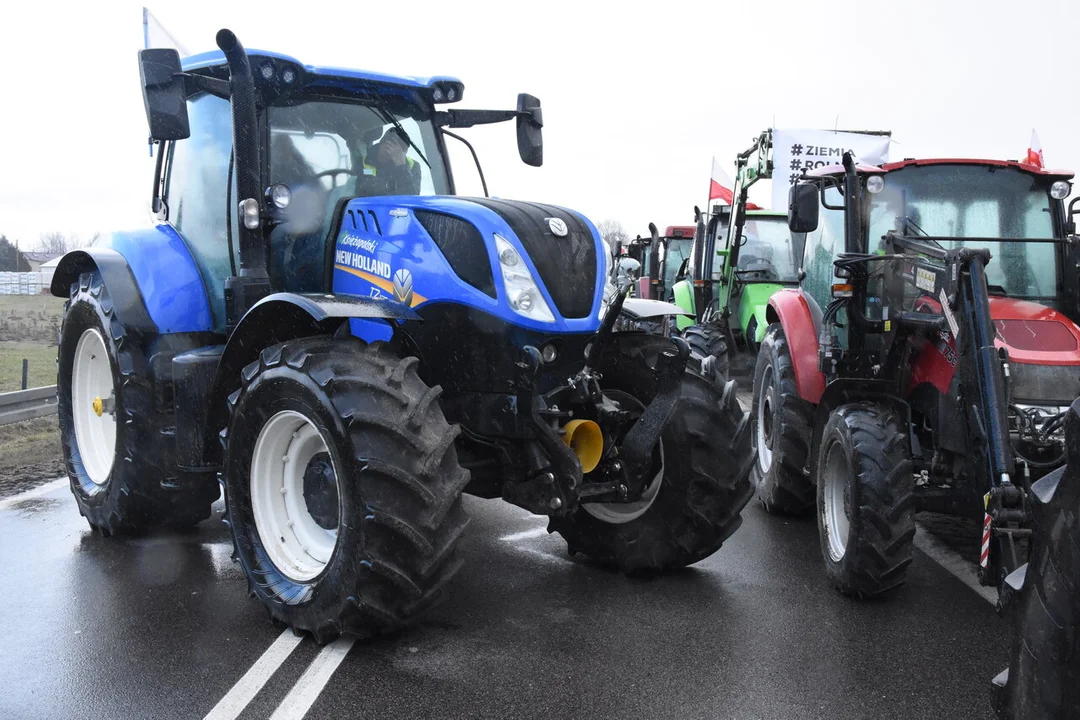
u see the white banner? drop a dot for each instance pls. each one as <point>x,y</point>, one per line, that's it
<point>798,150</point>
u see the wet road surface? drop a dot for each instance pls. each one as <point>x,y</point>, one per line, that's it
<point>162,627</point>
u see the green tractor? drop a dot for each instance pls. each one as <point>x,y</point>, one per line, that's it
<point>742,254</point>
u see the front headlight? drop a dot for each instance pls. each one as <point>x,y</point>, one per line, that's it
<point>522,292</point>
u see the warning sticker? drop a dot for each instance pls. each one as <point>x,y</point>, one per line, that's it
<point>924,279</point>
<point>949,317</point>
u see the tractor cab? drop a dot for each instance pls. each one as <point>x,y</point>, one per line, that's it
<point>325,135</point>
<point>663,259</point>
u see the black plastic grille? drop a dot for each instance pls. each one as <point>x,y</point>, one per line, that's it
<point>462,246</point>
<point>567,265</point>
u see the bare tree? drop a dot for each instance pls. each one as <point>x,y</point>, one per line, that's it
<point>57,243</point>
<point>613,233</point>
<point>54,243</point>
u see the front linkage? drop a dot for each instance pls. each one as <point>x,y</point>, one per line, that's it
<point>556,483</point>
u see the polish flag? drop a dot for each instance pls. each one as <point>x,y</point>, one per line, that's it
<point>1035,153</point>
<point>720,185</point>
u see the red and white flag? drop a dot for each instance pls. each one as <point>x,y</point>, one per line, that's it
<point>1035,153</point>
<point>720,184</point>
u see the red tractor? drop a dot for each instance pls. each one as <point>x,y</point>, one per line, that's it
<point>926,361</point>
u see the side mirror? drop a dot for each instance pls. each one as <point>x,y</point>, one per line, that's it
<point>803,207</point>
<point>530,136</point>
<point>163,94</point>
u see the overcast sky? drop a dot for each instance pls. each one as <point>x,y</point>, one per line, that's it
<point>636,104</point>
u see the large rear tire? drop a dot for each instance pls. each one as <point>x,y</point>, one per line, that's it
<point>1043,677</point>
<point>113,449</point>
<point>782,424</point>
<point>343,487</point>
<point>693,503</point>
<point>865,499</point>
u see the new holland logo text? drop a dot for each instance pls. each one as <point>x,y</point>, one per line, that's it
<point>403,286</point>
<point>363,262</point>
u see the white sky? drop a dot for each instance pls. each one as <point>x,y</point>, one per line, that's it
<point>635,103</point>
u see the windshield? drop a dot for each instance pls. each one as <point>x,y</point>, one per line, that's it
<point>325,150</point>
<point>768,254</point>
<point>674,252</point>
<point>975,201</point>
<point>331,150</point>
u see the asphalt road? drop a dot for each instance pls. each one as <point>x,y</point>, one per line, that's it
<point>162,627</point>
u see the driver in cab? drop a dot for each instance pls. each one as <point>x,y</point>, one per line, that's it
<point>391,167</point>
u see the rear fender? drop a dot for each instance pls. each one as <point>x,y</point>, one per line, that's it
<point>149,267</point>
<point>117,276</point>
<point>278,318</point>
<point>791,309</point>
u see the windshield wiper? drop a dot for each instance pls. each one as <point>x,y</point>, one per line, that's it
<point>389,117</point>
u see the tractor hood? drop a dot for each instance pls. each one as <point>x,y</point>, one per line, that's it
<point>420,250</point>
<point>1034,334</point>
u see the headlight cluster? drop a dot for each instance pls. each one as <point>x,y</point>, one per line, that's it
<point>522,292</point>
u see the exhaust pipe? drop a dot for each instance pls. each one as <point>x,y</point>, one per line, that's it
<point>246,153</point>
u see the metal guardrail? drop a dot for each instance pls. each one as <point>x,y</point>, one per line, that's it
<point>27,404</point>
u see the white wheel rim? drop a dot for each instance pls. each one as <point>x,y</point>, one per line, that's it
<point>619,513</point>
<point>298,546</point>
<point>834,509</point>
<point>92,392</point>
<point>764,421</point>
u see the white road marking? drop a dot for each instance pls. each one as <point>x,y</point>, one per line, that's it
<point>242,693</point>
<point>525,534</point>
<point>307,689</point>
<point>34,493</point>
<point>953,563</point>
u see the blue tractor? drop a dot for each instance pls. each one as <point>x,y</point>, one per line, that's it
<point>317,324</point>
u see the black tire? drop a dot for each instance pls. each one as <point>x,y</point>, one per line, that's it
<point>134,497</point>
<point>865,466</point>
<point>710,340</point>
<point>782,423</point>
<point>705,485</point>
<point>1043,598</point>
<point>398,482</point>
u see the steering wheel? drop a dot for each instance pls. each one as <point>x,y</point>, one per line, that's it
<point>335,172</point>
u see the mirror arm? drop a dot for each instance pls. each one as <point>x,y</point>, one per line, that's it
<point>214,86</point>
<point>469,118</point>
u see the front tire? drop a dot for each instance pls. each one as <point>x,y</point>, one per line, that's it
<point>866,508</point>
<point>113,449</point>
<point>343,488</point>
<point>782,423</point>
<point>710,340</point>
<point>694,502</point>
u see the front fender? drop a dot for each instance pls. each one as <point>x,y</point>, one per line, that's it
<point>790,308</point>
<point>684,298</point>
<point>278,318</point>
<point>642,309</point>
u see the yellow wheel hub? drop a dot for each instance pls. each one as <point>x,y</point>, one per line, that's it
<point>98,406</point>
